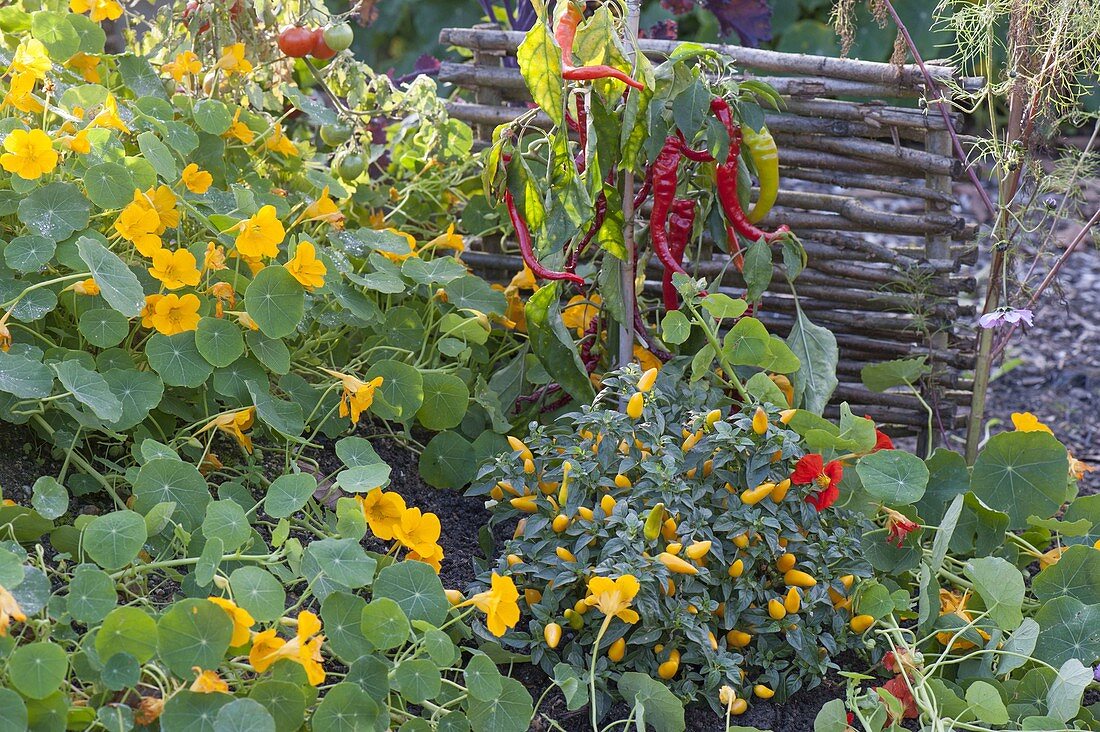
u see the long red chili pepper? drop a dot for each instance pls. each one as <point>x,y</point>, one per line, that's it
<point>698,156</point>
<point>523,235</point>
<point>681,223</point>
<point>580,126</point>
<point>727,181</point>
<point>565,33</point>
<point>665,167</point>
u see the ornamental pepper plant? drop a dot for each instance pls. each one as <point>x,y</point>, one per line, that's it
<point>727,569</point>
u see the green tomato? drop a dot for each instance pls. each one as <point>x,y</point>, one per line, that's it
<point>350,166</point>
<point>339,37</point>
<point>334,135</point>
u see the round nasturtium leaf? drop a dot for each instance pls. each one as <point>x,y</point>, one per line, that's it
<point>509,712</point>
<point>138,391</point>
<point>177,359</point>
<point>193,633</point>
<point>1022,474</point>
<point>383,623</point>
<point>114,539</point>
<point>29,253</point>
<point>49,498</point>
<point>227,521</point>
<point>401,392</point>
<point>893,476</point>
<point>212,116</point>
<point>36,670</point>
<point>127,630</point>
<point>283,700</point>
<point>1076,575</point>
<point>345,708</point>
<point>418,680</point>
<point>341,613</point>
<point>12,710</point>
<point>417,590</point>
<point>276,301</point>
<point>56,211</point>
<point>244,715</point>
<point>91,595</point>
<point>193,710</point>
<point>288,493</point>
<point>219,341</point>
<point>448,461</point>
<point>121,671</point>
<point>109,185</point>
<point>259,592</point>
<point>271,352</point>
<point>445,401</point>
<point>103,327</point>
<point>168,480</point>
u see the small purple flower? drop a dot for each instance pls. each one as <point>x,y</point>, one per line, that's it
<point>1006,315</point>
<point>1096,674</point>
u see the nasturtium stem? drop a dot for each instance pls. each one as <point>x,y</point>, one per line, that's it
<point>592,671</point>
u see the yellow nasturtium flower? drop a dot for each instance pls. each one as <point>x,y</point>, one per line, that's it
<point>261,234</point>
<point>175,269</point>
<point>499,603</point>
<point>87,287</point>
<point>383,511</point>
<point>242,620</point>
<point>418,531</point>
<point>234,424</point>
<point>138,223</point>
<point>579,312</point>
<point>163,201</point>
<point>196,180</point>
<point>304,648</point>
<point>186,63</point>
<point>613,596</point>
<point>357,396</point>
<point>174,314</point>
<point>278,142</point>
<point>232,60</point>
<point>401,257</point>
<point>1028,422</point>
<point>434,559</point>
<point>447,240</point>
<point>30,154</point>
<point>86,65</point>
<point>306,267</point>
<point>108,116</point>
<point>21,93</point>
<point>99,10</point>
<point>239,129</point>
<point>9,611</point>
<point>30,55</point>
<point>323,209</point>
<point>214,259</point>
<point>149,310</point>
<point>78,143</point>
<point>208,682</point>
<point>5,337</point>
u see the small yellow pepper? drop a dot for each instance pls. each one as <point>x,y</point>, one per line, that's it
<point>560,523</point>
<point>861,623</point>
<point>786,562</point>
<point>669,668</point>
<point>518,446</point>
<point>676,565</point>
<point>793,601</point>
<point>648,379</point>
<point>780,490</point>
<point>617,650</point>
<point>753,496</point>
<point>634,406</point>
<point>737,569</point>
<point>552,634</point>
<point>621,481</point>
<point>776,610</point>
<point>652,528</point>
<point>607,503</point>
<point>763,692</point>
<point>524,503</point>
<point>564,554</point>
<point>698,550</point>
<point>798,579</point>
<point>760,421</point>
<point>738,638</point>
<point>761,147</point>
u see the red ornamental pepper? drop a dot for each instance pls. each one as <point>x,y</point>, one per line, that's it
<point>681,223</point>
<point>523,235</point>
<point>565,33</point>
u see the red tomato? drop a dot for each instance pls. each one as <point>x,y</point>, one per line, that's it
<point>320,48</point>
<point>296,42</point>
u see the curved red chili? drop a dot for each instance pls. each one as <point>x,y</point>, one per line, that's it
<point>665,167</point>
<point>697,156</point>
<point>591,73</point>
<point>681,223</point>
<point>523,236</point>
<point>565,33</point>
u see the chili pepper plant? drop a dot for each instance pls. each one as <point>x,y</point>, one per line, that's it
<point>678,130</point>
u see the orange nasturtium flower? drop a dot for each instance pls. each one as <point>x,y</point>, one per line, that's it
<point>208,682</point>
<point>186,63</point>
<point>383,511</point>
<point>174,314</point>
<point>78,143</point>
<point>21,93</point>
<point>499,603</point>
<point>323,209</point>
<point>234,424</point>
<point>952,603</point>
<point>86,65</point>
<point>214,259</point>
<point>304,648</point>
<point>196,180</point>
<point>175,269</point>
<point>232,60</point>
<point>9,611</point>
<point>241,618</point>
<point>260,234</point>
<point>30,154</point>
<point>358,395</point>
<point>5,337</point>
<point>149,310</point>
<point>31,55</point>
<point>163,201</point>
<point>99,10</point>
<point>579,312</point>
<point>394,257</point>
<point>433,559</point>
<point>306,267</point>
<point>613,596</point>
